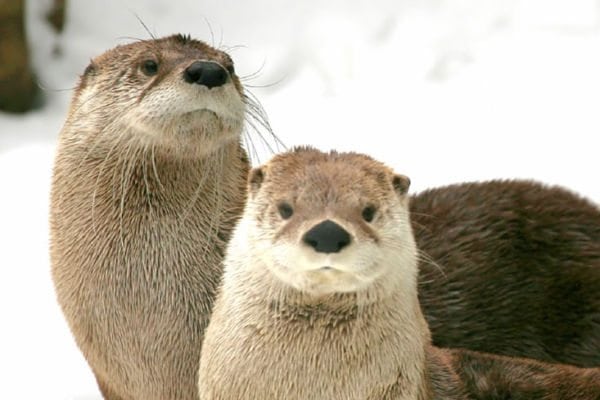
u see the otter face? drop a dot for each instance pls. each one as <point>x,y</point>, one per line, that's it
<point>329,223</point>
<point>175,91</point>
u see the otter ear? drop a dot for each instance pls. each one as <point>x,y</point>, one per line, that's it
<point>401,183</point>
<point>255,179</point>
<point>90,69</point>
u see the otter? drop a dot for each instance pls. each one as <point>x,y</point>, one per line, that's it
<point>488,376</point>
<point>319,298</point>
<point>512,268</point>
<point>149,178</point>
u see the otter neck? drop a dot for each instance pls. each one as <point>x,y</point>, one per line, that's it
<point>380,331</point>
<point>133,198</point>
<point>151,180</point>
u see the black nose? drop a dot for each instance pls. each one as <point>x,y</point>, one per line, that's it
<point>207,73</point>
<point>327,237</point>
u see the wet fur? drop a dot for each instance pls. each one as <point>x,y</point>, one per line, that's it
<point>142,206</point>
<point>516,270</point>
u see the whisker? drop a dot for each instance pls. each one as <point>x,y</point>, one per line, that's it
<point>427,259</point>
<point>267,85</point>
<point>144,25</point>
<point>254,74</point>
<point>229,49</point>
<point>116,142</point>
<point>42,86</point>
<point>215,222</point>
<point>257,121</point>
<point>130,38</point>
<point>257,114</point>
<point>422,214</point>
<point>250,148</point>
<point>221,37</point>
<point>107,129</point>
<point>278,143</point>
<point>155,169</point>
<point>259,133</point>
<point>127,170</point>
<point>145,177</point>
<point>194,198</point>
<point>421,255</point>
<point>210,29</point>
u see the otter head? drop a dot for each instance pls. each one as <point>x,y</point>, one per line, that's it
<point>175,93</point>
<point>330,223</point>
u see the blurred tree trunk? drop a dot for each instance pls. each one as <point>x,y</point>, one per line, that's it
<point>56,15</point>
<point>18,89</point>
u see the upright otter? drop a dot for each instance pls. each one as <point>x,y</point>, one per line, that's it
<point>148,181</point>
<point>518,270</point>
<point>319,298</point>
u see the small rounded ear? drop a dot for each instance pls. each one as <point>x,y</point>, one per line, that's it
<point>255,179</point>
<point>401,183</point>
<point>90,69</point>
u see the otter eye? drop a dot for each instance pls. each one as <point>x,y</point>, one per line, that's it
<point>368,213</point>
<point>285,210</point>
<point>150,67</point>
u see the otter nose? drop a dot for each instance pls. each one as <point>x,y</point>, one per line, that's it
<point>327,237</point>
<point>207,73</point>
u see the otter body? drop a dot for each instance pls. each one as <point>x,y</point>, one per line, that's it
<point>148,181</point>
<point>516,270</point>
<point>488,376</point>
<point>319,294</point>
<point>319,299</point>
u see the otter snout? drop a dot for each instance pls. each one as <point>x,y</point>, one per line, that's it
<point>327,237</point>
<point>206,73</point>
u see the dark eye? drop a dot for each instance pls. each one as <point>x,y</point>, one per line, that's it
<point>150,67</point>
<point>285,210</point>
<point>368,213</point>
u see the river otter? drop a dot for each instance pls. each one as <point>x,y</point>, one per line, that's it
<point>149,179</point>
<point>319,298</point>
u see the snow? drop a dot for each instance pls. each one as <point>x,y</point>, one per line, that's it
<point>443,91</point>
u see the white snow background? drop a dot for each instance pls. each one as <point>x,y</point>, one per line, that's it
<point>442,90</point>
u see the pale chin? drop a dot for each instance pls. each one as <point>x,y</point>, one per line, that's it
<point>338,284</point>
<point>204,133</point>
<point>321,279</point>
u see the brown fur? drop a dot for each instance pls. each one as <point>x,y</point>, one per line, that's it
<point>518,270</point>
<point>487,377</point>
<point>146,189</point>
<point>269,340</point>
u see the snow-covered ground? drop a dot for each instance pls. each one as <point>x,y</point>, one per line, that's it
<point>442,90</point>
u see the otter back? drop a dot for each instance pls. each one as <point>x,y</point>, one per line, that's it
<point>516,270</point>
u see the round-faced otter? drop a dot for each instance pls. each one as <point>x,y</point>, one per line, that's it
<point>516,270</point>
<point>319,296</point>
<point>149,179</point>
